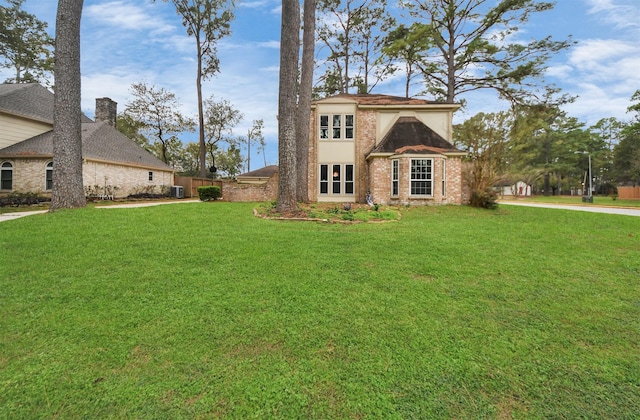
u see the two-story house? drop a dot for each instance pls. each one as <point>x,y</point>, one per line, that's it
<point>395,150</point>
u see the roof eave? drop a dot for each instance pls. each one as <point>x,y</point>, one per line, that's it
<point>444,107</point>
<point>26,117</point>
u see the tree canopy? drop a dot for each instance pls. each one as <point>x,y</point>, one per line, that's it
<point>25,45</point>
<point>474,47</point>
<point>207,21</point>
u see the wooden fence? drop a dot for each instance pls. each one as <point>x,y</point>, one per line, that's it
<point>190,184</point>
<point>629,193</point>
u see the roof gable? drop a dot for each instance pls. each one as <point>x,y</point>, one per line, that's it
<point>410,135</point>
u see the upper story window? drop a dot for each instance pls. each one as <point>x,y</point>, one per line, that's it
<point>421,177</point>
<point>48,176</point>
<point>6,176</point>
<point>337,126</point>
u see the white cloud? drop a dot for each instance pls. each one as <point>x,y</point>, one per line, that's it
<point>254,4</point>
<point>620,15</point>
<point>124,15</point>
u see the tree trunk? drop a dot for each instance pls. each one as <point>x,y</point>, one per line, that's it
<point>203,147</point>
<point>304,100</point>
<point>289,51</point>
<point>68,189</point>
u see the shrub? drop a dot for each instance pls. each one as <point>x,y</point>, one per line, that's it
<point>17,199</point>
<point>209,193</point>
<point>486,199</point>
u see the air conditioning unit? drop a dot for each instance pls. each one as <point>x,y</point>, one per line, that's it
<point>177,191</point>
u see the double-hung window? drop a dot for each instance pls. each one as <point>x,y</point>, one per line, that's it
<point>395,177</point>
<point>444,178</point>
<point>337,127</point>
<point>421,177</point>
<point>6,176</point>
<point>48,176</point>
<point>337,179</point>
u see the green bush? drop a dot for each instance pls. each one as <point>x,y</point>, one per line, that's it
<point>486,199</point>
<point>209,193</point>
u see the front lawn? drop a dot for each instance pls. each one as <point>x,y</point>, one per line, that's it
<point>201,310</point>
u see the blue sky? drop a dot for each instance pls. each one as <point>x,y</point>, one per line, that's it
<point>125,42</point>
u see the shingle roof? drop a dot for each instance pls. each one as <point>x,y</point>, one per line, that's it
<point>410,135</point>
<point>29,100</point>
<point>99,141</point>
<point>378,99</point>
<point>266,172</point>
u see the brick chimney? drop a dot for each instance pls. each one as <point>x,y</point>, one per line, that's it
<point>106,110</point>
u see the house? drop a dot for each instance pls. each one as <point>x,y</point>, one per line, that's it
<point>397,150</point>
<point>258,176</point>
<point>519,189</point>
<point>113,165</point>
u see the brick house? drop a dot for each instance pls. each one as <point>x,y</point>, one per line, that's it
<point>113,165</point>
<point>396,149</point>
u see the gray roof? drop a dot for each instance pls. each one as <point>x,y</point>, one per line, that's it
<point>29,100</point>
<point>410,135</point>
<point>266,172</point>
<point>100,141</point>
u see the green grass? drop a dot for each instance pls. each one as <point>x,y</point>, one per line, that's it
<point>564,199</point>
<point>203,310</point>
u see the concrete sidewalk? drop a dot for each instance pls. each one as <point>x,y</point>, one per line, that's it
<point>16,215</point>
<point>625,211</point>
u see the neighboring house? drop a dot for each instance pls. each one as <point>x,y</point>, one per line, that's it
<point>396,149</point>
<point>113,165</point>
<point>259,176</point>
<point>519,189</point>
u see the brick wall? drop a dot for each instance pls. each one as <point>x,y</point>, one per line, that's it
<point>365,142</point>
<point>29,176</point>
<point>233,191</point>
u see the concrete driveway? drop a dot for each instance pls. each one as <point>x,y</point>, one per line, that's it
<point>625,211</point>
<point>16,215</point>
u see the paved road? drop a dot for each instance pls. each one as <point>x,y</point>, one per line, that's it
<point>626,211</point>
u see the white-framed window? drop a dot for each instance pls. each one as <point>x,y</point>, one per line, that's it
<point>48,176</point>
<point>150,176</point>
<point>349,126</point>
<point>395,177</point>
<point>421,177</point>
<point>444,178</point>
<point>337,179</point>
<point>6,176</point>
<point>324,127</point>
<point>349,179</point>
<point>337,126</point>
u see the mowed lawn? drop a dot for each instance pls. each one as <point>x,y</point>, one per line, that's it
<point>202,310</point>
